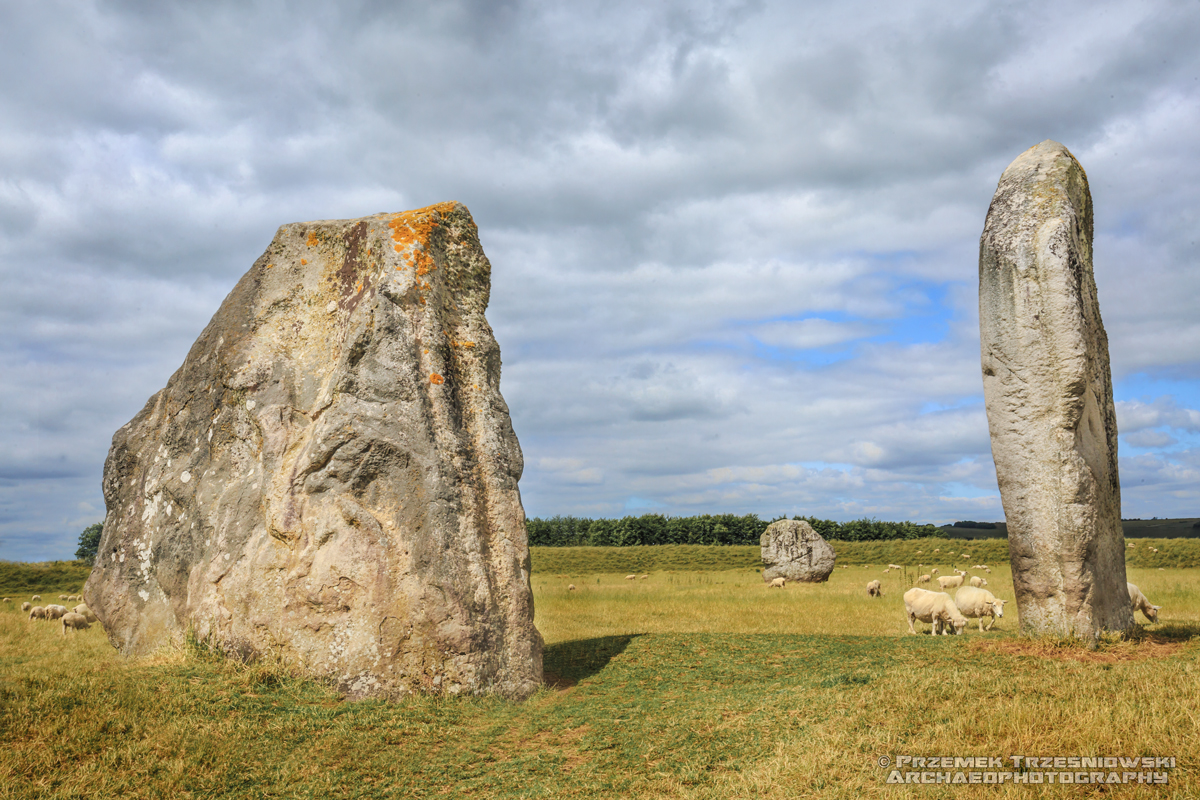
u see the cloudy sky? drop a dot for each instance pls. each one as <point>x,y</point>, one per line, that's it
<point>734,245</point>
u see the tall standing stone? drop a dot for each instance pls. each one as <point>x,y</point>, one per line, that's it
<point>332,473</point>
<point>1048,393</point>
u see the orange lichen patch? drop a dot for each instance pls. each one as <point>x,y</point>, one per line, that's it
<point>312,239</point>
<point>436,379</point>
<point>303,261</point>
<point>412,229</point>
<point>461,344</point>
<point>270,265</point>
<point>1147,647</point>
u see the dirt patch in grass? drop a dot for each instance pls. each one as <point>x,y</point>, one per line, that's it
<point>1145,647</point>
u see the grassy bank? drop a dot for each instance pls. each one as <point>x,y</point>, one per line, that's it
<point>1171,553</point>
<point>48,577</point>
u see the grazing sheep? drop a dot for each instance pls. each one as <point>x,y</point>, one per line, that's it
<point>988,571</point>
<point>7,600</point>
<point>37,612</point>
<point>25,606</point>
<point>778,583</point>
<point>1140,603</point>
<point>631,577</point>
<point>570,587</point>
<point>924,579</point>
<point>55,611</point>
<point>1131,544</point>
<point>887,571</point>
<point>933,571</point>
<point>977,581</point>
<point>937,549</point>
<point>36,597</point>
<point>950,581</point>
<point>895,566</point>
<point>933,607</point>
<point>63,597</point>
<point>874,589</point>
<point>975,602</point>
<point>642,577</point>
<point>74,621</point>
<point>85,612</point>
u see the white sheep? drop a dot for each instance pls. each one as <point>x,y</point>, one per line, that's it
<point>570,587</point>
<point>933,571</point>
<point>895,566</point>
<point>25,606</point>
<point>73,621</point>
<point>975,602</point>
<point>55,611</point>
<point>933,607</point>
<point>85,612</point>
<point>37,612</point>
<point>642,577</point>
<point>874,589</point>
<point>950,581</point>
<point>7,600</point>
<point>924,579</point>
<point>631,577</point>
<point>1140,603</point>
<point>63,597</point>
<point>977,581</point>
<point>778,583</point>
<point>36,597</point>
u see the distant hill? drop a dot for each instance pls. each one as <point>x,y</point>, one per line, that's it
<point>1134,529</point>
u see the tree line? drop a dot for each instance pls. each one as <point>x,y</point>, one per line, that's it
<point>710,529</point>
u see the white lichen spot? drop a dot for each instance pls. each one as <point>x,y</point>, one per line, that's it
<point>121,558</point>
<point>185,476</point>
<point>210,434</point>
<point>144,595</point>
<point>227,556</point>
<point>250,405</point>
<point>332,306</point>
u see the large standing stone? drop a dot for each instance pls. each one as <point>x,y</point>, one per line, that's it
<point>332,473</point>
<point>792,549</point>
<point>1048,394</point>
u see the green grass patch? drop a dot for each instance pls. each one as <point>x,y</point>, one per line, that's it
<point>687,684</point>
<point>57,577</point>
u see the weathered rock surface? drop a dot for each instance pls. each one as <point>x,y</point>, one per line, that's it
<point>332,473</point>
<point>791,549</point>
<point>1048,393</point>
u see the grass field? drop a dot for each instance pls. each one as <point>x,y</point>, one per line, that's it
<point>688,684</point>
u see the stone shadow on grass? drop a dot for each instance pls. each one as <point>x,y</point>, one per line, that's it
<point>567,663</point>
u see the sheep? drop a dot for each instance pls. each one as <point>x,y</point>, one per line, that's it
<point>37,612</point>
<point>63,597</point>
<point>895,566</point>
<point>631,577</point>
<point>988,571</point>
<point>923,579</point>
<point>642,577</point>
<point>36,597</point>
<point>778,583</point>
<point>87,613</point>
<point>874,590</point>
<point>977,581</point>
<point>570,587</point>
<point>74,621</point>
<point>933,571</point>
<point>1140,603</point>
<point>933,607</point>
<point>950,581</point>
<point>25,606</point>
<point>55,611</point>
<point>975,602</point>
<point>7,600</point>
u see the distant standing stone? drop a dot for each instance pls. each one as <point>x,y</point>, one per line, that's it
<point>331,475</point>
<point>792,549</point>
<point>1048,393</point>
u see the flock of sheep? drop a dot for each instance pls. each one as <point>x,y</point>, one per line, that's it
<point>948,614</point>
<point>76,619</point>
